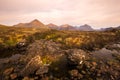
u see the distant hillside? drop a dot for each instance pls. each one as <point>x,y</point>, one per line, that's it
<point>118,27</point>
<point>52,26</point>
<point>70,27</point>
<point>110,28</point>
<point>66,27</point>
<point>33,24</point>
<point>3,26</point>
<point>85,28</point>
<point>37,24</point>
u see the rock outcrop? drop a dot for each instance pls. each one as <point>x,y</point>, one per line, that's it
<point>46,60</point>
<point>34,64</point>
<point>75,56</point>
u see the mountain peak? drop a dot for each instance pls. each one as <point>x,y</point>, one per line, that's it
<point>52,25</point>
<point>86,27</point>
<point>35,21</point>
<point>33,24</point>
<point>66,25</point>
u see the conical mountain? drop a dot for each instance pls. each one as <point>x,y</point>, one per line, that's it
<point>85,27</point>
<point>33,24</point>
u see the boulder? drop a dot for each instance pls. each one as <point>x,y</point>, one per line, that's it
<point>34,64</point>
<point>42,70</point>
<point>43,46</point>
<point>75,56</point>
<point>8,71</point>
<point>13,76</point>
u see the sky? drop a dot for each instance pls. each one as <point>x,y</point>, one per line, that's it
<point>97,13</point>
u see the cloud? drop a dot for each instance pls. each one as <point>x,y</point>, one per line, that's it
<point>98,13</point>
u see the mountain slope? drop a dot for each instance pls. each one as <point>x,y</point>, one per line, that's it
<point>52,26</point>
<point>85,27</point>
<point>110,29</point>
<point>66,27</point>
<point>33,24</point>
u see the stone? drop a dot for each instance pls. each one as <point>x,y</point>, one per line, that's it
<point>94,63</point>
<point>42,70</point>
<point>43,46</point>
<point>32,79</point>
<point>75,56</point>
<point>36,78</point>
<point>46,78</point>
<point>98,75</point>
<point>34,64</point>
<point>13,76</point>
<point>26,78</point>
<point>8,71</point>
<point>83,72</point>
<point>74,73</point>
<point>6,77</point>
<point>80,76</point>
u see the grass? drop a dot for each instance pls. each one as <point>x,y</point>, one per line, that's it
<point>76,39</point>
<point>10,36</point>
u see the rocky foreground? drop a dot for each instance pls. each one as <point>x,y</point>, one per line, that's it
<point>48,60</point>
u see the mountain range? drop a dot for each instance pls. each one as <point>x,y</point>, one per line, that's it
<point>110,28</point>
<point>70,27</point>
<point>37,24</point>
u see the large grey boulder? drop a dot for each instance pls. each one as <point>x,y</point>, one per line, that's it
<point>75,56</point>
